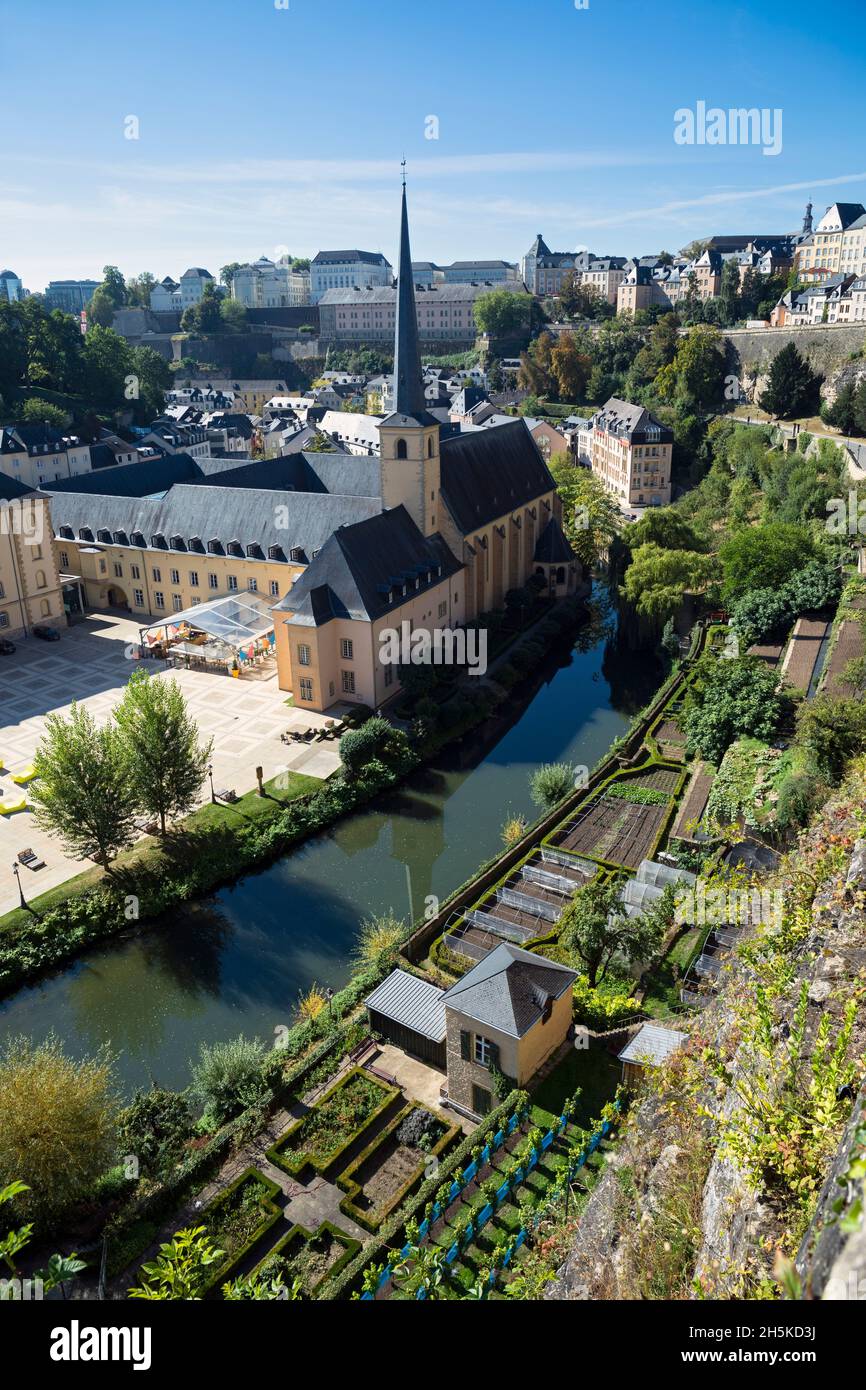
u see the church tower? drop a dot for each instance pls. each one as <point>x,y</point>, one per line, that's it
<point>807,221</point>
<point>409,436</point>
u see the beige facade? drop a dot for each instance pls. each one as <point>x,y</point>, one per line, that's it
<point>469,1077</point>
<point>30,590</point>
<point>341,659</point>
<point>639,474</point>
<point>154,583</point>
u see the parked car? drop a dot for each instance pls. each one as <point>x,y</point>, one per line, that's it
<point>46,634</point>
<point>6,647</point>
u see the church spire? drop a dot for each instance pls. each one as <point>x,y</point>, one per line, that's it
<point>408,388</point>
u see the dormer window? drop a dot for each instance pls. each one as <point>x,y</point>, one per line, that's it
<point>85,533</point>
<point>158,541</point>
<point>296,554</point>
<point>235,548</point>
<point>138,540</point>
<point>215,547</point>
<point>178,543</point>
<point>121,538</point>
<point>67,533</point>
<point>103,536</point>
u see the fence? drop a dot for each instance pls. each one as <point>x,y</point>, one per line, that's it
<point>487,1212</point>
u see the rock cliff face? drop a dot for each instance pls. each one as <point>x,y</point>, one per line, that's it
<point>719,1186</point>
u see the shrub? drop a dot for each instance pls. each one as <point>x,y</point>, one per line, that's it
<point>376,740</point>
<point>228,1076</point>
<point>550,783</point>
<point>154,1127</point>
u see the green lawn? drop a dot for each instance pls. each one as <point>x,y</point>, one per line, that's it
<point>144,852</point>
<point>663,995</point>
<point>594,1070</point>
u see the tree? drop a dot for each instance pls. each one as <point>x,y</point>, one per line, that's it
<point>832,730</point>
<point>154,377</point>
<point>228,272</point>
<point>206,316</point>
<point>595,928</point>
<point>376,738</point>
<point>549,783</point>
<point>501,313</point>
<point>763,557</point>
<point>759,614</point>
<point>180,1270</point>
<point>108,365</point>
<point>664,527</point>
<point>590,516</point>
<point>155,1126</point>
<point>670,642</point>
<point>13,351</point>
<point>138,289</point>
<point>694,249</point>
<point>233,315</point>
<point>82,793</point>
<point>58,1123</point>
<point>570,368</point>
<point>657,579</point>
<point>732,699</point>
<point>35,411</point>
<point>101,309</point>
<point>848,411</point>
<point>792,387</point>
<point>379,940</point>
<point>165,761</point>
<point>114,285</point>
<point>581,301</point>
<point>695,379</point>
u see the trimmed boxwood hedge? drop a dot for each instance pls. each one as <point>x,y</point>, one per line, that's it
<point>392,1232</point>
<point>271,1214</point>
<point>295,1164</point>
<point>299,1234</point>
<point>372,1221</point>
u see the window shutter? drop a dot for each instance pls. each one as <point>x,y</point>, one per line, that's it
<point>465,1046</point>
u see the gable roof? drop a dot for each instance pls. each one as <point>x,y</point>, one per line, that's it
<point>361,568</point>
<point>508,989</point>
<point>651,1044</point>
<point>552,546</point>
<point>487,473</point>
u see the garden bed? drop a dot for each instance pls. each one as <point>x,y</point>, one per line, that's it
<point>310,1256</point>
<point>387,1170</point>
<point>614,832</point>
<point>322,1136</point>
<point>238,1218</point>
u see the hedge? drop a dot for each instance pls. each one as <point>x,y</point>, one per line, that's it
<point>391,1233</point>
<point>372,1221</point>
<point>271,1214</point>
<point>299,1234</point>
<point>295,1164</point>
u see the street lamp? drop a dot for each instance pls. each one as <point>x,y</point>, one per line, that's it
<point>17,874</point>
<point>212,792</point>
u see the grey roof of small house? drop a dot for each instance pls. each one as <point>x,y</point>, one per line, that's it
<point>651,1045</point>
<point>508,989</point>
<point>414,1003</point>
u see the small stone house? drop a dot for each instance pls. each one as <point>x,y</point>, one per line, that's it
<point>511,1011</point>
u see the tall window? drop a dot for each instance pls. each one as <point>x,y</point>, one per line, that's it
<point>193,579</point>
<point>482,1051</point>
<point>231,583</point>
<point>306,689</point>
<point>348,679</point>
<point>401,449</point>
<point>159,599</point>
<point>303,655</point>
<point>213,581</point>
<point>346,648</point>
<point>138,597</point>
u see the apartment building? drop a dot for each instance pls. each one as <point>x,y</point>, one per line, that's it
<point>631,454</point>
<point>266,284</point>
<point>30,587</point>
<point>70,296</point>
<point>604,275</point>
<point>445,314</point>
<point>37,454</point>
<point>342,270</point>
<point>837,246</point>
<point>501,273</point>
<point>192,285</point>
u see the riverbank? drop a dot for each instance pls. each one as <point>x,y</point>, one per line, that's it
<point>218,845</point>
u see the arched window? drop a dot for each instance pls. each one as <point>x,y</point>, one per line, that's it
<point>45,607</point>
<point>429,448</point>
<point>40,579</point>
<point>560,575</point>
<point>401,449</point>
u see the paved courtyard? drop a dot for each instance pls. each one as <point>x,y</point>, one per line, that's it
<point>91,664</point>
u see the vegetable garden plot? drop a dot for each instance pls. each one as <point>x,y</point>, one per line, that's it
<point>617,832</point>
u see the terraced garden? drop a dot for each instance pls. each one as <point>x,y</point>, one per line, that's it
<point>322,1136</point>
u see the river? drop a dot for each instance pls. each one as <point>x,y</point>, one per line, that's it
<point>237,961</point>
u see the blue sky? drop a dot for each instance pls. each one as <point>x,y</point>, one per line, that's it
<point>263,129</point>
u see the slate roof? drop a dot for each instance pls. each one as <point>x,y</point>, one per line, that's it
<point>508,989</point>
<point>342,257</point>
<point>488,473</point>
<point>624,419</point>
<point>652,1044</point>
<point>301,521</point>
<point>416,1004</point>
<point>361,568</point>
<point>552,546</point>
<point>11,488</point>
<point>133,479</point>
